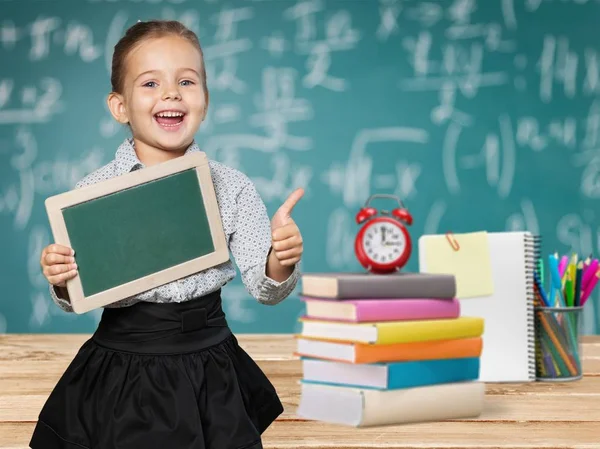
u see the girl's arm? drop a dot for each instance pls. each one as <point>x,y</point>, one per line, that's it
<point>264,276</point>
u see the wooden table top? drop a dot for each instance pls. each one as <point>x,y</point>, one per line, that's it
<point>534,415</point>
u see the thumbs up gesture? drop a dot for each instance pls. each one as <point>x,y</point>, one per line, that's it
<point>285,235</point>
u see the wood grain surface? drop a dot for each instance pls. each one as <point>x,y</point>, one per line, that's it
<point>533,415</point>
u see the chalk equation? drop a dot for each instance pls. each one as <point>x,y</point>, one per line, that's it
<point>24,104</point>
<point>496,154</point>
<point>33,177</point>
<point>277,108</point>
<point>338,34</point>
<point>355,179</point>
<point>45,34</point>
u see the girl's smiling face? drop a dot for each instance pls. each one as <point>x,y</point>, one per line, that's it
<point>163,97</point>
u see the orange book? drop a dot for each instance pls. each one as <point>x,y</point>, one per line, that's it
<point>345,351</point>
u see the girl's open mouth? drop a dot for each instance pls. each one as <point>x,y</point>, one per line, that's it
<point>169,120</point>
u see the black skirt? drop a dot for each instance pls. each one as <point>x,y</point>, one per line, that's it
<point>168,376</point>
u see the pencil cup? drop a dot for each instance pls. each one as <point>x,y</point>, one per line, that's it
<point>558,343</point>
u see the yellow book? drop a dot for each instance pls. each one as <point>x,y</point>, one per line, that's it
<point>389,332</point>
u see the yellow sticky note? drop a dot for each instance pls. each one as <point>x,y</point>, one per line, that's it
<point>470,264</point>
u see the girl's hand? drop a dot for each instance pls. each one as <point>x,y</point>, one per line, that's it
<point>286,239</point>
<point>58,264</point>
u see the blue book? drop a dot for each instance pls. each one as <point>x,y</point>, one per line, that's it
<point>390,376</point>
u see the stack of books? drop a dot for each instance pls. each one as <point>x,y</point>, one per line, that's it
<point>387,349</point>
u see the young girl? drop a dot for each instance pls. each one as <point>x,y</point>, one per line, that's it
<point>163,370</point>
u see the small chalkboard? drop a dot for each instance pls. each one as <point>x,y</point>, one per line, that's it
<point>139,230</point>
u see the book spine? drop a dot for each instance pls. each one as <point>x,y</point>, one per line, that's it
<point>454,400</point>
<point>428,330</point>
<point>437,286</point>
<point>406,309</point>
<point>422,350</point>
<point>431,372</point>
<point>532,246</point>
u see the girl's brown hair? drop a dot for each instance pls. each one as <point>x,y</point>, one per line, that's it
<point>147,30</point>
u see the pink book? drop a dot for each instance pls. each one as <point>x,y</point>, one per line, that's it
<point>363,310</point>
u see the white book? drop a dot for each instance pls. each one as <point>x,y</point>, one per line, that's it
<point>363,407</point>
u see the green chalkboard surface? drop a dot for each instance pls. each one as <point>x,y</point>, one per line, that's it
<point>139,230</point>
<point>478,115</point>
<point>130,234</point>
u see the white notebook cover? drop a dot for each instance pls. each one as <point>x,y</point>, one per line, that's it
<point>508,353</point>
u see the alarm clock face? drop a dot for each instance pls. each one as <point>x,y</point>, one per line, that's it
<point>384,242</point>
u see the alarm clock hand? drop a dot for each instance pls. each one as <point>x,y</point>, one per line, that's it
<point>383,235</point>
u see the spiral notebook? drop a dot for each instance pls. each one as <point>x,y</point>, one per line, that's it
<point>508,353</point>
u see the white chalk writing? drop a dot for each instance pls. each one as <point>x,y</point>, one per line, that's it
<point>40,177</point>
<point>36,104</point>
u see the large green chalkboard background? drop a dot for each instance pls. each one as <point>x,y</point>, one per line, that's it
<point>478,114</point>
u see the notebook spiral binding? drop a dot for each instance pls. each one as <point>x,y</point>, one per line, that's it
<point>532,245</point>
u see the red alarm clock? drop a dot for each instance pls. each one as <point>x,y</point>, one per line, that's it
<point>383,244</point>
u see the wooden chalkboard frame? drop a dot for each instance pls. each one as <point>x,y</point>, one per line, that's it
<point>197,161</point>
